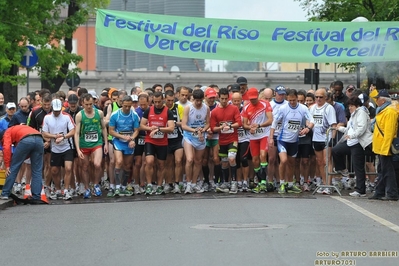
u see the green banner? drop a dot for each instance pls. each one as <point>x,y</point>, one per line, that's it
<point>245,40</point>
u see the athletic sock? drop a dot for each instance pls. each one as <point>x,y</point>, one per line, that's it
<point>205,171</point>
<point>117,178</point>
<point>233,169</point>
<point>263,170</point>
<point>225,175</point>
<point>217,169</point>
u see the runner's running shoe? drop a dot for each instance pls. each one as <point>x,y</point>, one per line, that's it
<point>294,189</point>
<point>234,188</point>
<point>97,190</point>
<point>282,189</point>
<point>149,190</point>
<point>87,194</point>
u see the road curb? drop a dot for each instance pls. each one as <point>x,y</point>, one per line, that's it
<point>6,204</point>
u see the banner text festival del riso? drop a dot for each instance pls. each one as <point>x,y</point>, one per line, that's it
<point>245,40</point>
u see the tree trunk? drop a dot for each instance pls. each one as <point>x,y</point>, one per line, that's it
<point>55,84</point>
<point>9,91</point>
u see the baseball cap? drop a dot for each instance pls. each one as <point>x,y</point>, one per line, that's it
<point>280,90</point>
<point>203,88</point>
<point>56,104</point>
<point>94,94</point>
<point>242,81</point>
<point>363,97</point>
<point>382,93</point>
<point>11,105</point>
<point>134,97</point>
<point>235,87</point>
<point>210,92</point>
<point>73,98</point>
<point>253,93</point>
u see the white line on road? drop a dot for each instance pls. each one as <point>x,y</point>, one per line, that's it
<point>368,214</point>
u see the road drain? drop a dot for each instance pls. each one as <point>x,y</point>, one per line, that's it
<point>239,226</point>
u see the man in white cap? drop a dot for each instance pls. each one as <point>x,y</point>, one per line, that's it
<point>95,98</point>
<point>10,110</point>
<point>60,128</point>
<point>135,100</point>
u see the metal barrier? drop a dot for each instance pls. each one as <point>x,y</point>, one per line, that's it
<point>328,181</point>
<point>327,167</point>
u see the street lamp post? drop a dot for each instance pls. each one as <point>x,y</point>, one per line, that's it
<point>358,19</point>
<point>124,59</point>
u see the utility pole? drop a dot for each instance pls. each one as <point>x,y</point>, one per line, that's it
<point>124,59</point>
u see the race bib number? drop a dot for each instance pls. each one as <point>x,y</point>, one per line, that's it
<point>293,126</point>
<point>228,131</point>
<point>140,141</point>
<point>259,131</point>
<point>318,120</point>
<point>91,136</point>
<point>158,135</point>
<point>278,127</point>
<point>125,133</point>
<point>174,134</point>
<point>195,134</point>
<point>241,133</point>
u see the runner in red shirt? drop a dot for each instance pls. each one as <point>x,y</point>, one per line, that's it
<point>225,119</point>
<point>157,121</point>
<point>257,115</point>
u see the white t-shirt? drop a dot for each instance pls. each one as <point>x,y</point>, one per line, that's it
<point>291,119</point>
<point>323,117</point>
<point>61,124</point>
<point>276,107</point>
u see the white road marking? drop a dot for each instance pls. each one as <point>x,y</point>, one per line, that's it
<point>365,212</point>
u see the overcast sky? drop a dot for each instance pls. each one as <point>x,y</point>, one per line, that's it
<point>271,10</point>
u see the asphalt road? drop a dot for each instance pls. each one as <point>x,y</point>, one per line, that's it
<point>207,229</point>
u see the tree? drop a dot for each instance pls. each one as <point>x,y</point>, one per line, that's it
<point>381,74</point>
<point>39,23</point>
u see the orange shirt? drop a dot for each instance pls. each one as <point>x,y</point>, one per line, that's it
<point>13,135</point>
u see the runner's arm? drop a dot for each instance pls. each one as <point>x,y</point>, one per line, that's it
<point>184,125</point>
<point>103,128</point>
<point>78,119</point>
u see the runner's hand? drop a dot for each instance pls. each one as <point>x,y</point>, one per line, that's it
<point>81,155</point>
<point>132,144</point>
<point>8,171</point>
<point>271,142</point>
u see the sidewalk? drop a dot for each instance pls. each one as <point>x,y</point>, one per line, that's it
<point>6,204</point>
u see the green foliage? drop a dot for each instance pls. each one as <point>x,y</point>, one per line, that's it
<point>39,23</point>
<point>347,10</point>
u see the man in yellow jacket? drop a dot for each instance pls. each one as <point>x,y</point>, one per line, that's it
<point>385,129</point>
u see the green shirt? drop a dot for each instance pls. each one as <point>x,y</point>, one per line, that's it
<point>90,131</point>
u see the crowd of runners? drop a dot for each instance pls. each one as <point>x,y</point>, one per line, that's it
<point>194,140</point>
